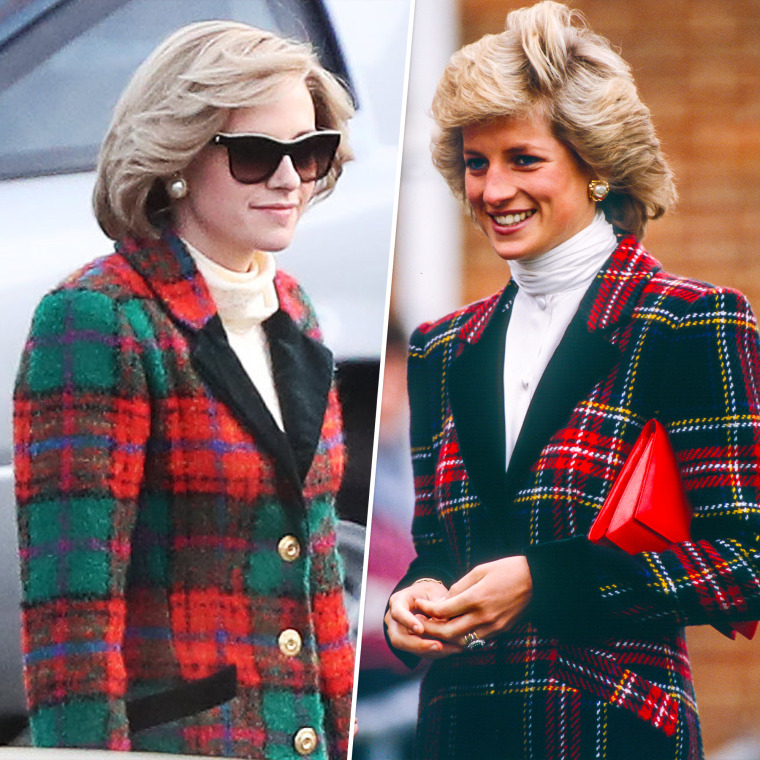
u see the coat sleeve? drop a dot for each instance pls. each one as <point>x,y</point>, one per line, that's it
<point>425,401</point>
<point>81,420</point>
<point>710,405</point>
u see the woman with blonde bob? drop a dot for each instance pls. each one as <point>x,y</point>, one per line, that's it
<point>178,438</point>
<point>525,406</point>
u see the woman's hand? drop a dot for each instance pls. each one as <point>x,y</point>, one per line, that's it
<point>486,601</point>
<point>406,626</point>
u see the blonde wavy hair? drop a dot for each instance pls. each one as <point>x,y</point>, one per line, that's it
<point>181,96</point>
<point>548,61</point>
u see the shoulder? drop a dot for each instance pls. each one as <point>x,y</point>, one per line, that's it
<point>680,301</point>
<point>89,298</point>
<point>465,322</point>
<point>110,275</point>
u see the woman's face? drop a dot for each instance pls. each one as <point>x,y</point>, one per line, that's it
<point>527,190</point>
<point>228,220</point>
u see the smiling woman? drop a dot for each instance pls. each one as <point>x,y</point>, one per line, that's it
<point>526,405</point>
<point>178,437</point>
<point>525,188</point>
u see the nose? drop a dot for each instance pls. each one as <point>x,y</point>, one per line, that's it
<point>499,186</point>
<point>285,176</point>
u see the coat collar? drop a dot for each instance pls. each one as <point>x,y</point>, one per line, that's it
<point>608,302</point>
<point>170,272</point>
<point>302,365</point>
<point>586,353</point>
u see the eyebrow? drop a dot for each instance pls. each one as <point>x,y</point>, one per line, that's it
<point>524,148</point>
<point>521,148</point>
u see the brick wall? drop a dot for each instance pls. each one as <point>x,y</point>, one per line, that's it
<point>697,66</point>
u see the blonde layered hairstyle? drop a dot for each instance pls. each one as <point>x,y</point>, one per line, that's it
<point>181,96</point>
<point>548,60</point>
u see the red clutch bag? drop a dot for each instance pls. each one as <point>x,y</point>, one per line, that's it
<point>647,508</point>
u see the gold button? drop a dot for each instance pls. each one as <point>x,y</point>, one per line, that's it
<point>305,741</point>
<point>289,548</point>
<point>289,642</point>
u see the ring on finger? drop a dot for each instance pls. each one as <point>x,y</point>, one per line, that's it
<point>473,641</point>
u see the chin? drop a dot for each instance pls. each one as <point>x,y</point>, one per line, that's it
<point>274,240</point>
<point>512,253</point>
<point>273,246</point>
<point>518,250</point>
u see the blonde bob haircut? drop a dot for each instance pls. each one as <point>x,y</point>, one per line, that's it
<point>181,96</point>
<point>548,61</point>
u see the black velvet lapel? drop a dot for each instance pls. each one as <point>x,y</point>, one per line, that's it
<point>477,400</point>
<point>587,353</point>
<point>303,373</point>
<point>476,394</point>
<point>221,369</point>
<point>302,367</point>
<point>579,361</point>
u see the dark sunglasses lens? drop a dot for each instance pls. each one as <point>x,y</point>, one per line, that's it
<point>313,156</point>
<point>253,159</point>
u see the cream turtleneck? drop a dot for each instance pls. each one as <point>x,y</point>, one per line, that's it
<point>244,300</point>
<point>551,287</point>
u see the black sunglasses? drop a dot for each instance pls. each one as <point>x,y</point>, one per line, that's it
<point>255,158</point>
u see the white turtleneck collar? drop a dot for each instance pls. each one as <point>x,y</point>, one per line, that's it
<point>568,265</point>
<point>242,298</point>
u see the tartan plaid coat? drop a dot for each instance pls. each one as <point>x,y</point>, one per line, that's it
<point>173,539</point>
<point>598,666</point>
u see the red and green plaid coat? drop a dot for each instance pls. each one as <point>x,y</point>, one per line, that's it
<point>598,667</point>
<point>178,549</point>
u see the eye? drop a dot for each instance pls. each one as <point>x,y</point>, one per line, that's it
<point>526,161</point>
<point>474,164</point>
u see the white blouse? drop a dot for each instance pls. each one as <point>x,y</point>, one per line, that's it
<point>551,287</point>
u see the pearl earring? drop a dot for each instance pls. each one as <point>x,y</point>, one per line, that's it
<point>177,188</point>
<point>598,189</point>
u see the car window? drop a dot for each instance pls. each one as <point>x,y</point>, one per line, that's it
<point>53,118</point>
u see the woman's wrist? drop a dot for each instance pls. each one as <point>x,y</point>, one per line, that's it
<point>431,580</point>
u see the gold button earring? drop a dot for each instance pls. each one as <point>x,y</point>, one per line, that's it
<point>598,189</point>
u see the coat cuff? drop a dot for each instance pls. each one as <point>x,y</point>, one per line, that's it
<point>567,581</point>
<point>565,597</point>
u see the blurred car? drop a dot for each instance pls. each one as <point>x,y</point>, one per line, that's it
<point>63,64</point>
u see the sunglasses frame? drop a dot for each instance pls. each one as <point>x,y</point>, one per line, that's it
<point>283,148</point>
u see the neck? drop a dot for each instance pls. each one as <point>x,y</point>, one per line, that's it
<point>224,253</point>
<point>570,264</point>
<point>242,298</point>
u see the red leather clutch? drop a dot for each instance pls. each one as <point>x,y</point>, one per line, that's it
<point>647,508</point>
